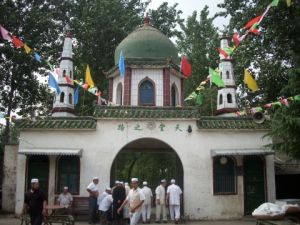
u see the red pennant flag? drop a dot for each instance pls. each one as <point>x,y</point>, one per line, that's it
<point>85,86</point>
<point>68,79</point>
<point>186,67</point>
<point>254,29</point>
<point>253,21</point>
<point>222,52</point>
<point>236,38</point>
<point>17,42</point>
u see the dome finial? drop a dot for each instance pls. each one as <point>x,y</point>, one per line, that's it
<point>146,20</point>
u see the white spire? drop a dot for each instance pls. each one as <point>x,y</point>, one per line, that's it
<point>64,102</point>
<point>226,102</point>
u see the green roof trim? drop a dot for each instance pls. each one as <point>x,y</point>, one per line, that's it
<point>231,123</point>
<point>128,112</point>
<point>58,123</point>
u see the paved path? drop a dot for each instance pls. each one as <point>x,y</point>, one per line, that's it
<point>10,220</point>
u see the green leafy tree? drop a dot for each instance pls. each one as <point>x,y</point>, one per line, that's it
<point>199,42</point>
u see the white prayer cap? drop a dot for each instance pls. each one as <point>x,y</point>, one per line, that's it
<point>108,189</point>
<point>66,188</point>
<point>121,182</point>
<point>95,178</point>
<point>117,182</point>
<point>34,180</point>
<point>163,181</point>
<point>134,179</point>
<point>173,181</point>
<point>126,184</point>
<point>145,183</point>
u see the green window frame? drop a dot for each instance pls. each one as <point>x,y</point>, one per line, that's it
<point>68,174</point>
<point>224,174</point>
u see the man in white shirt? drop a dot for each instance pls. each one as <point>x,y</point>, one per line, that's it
<point>160,196</point>
<point>146,208</point>
<point>65,199</point>
<point>93,191</point>
<point>174,194</point>
<point>136,199</point>
<point>104,205</point>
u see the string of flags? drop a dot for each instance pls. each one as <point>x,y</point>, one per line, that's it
<point>17,43</point>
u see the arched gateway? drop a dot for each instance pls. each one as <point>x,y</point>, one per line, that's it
<point>148,159</point>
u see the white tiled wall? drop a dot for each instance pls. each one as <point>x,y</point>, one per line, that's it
<point>117,80</point>
<point>156,75</point>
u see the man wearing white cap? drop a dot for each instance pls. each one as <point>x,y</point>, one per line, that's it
<point>65,199</point>
<point>136,199</point>
<point>35,203</point>
<point>93,191</point>
<point>174,194</point>
<point>146,208</point>
<point>160,193</point>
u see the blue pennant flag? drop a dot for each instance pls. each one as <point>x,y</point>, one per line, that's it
<point>76,96</point>
<point>53,83</point>
<point>37,57</point>
<point>122,64</point>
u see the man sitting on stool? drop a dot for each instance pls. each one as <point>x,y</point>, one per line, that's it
<point>65,199</point>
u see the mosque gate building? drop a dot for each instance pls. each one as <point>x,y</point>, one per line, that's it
<point>226,171</point>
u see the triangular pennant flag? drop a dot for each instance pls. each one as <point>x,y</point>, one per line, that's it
<point>215,78</point>
<point>53,83</point>
<point>85,86</point>
<point>297,97</point>
<point>249,80</point>
<point>237,39</point>
<point>199,99</point>
<point>122,64</point>
<point>185,67</point>
<point>275,3</point>
<point>5,34</point>
<point>254,29</point>
<point>68,79</point>
<point>27,49</point>
<point>76,96</point>
<point>88,77</point>
<point>253,21</point>
<point>289,3</point>
<point>37,57</point>
<point>285,102</point>
<point>193,95</point>
<point>223,53</point>
<point>16,42</point>
<point>93,90</point>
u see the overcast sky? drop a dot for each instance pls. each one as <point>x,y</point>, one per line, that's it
<point>188,6</point>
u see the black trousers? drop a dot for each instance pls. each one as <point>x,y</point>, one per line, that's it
<point>36,219</point>
<point>92,209</point>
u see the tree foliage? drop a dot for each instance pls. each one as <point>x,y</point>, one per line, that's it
<point>199,41</point>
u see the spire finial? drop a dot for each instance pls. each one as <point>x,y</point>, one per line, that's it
<point>146,20</point>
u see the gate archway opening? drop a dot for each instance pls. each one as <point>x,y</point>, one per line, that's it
<point>148,159</point>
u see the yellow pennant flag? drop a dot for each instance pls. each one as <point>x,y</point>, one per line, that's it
<point>88,77</point>
<point>288,2</point>
<point>27,49</point>
<point>249,80</point>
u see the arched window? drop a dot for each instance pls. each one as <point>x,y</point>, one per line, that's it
<point>70,99</point>
<point>64,73</point>
<point>229,98</point>
<point>62,97</point>
<point>119,94</point>
<point>68,174</point>
<point>224,175</point>
<point>71,74</point>
<point>220,99</point>
<point>146,93</point>
<point>174,95</point>
<point>227,74</point>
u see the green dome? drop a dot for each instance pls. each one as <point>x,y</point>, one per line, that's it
<point>147,43</point>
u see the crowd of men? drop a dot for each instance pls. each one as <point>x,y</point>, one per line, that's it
<point>118,205</point>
